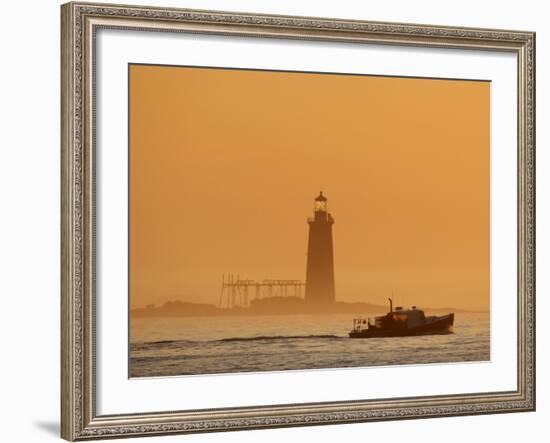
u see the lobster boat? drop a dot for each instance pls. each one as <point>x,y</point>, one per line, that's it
<point>402,323</point>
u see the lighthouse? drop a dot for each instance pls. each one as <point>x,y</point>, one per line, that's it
<point>320,257</point>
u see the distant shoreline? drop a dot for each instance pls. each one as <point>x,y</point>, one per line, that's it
<point>272,306</point>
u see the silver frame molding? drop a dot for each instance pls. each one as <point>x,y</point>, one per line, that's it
<point>79,22</point>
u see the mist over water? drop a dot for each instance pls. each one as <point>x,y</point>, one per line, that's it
<point>209,345</point>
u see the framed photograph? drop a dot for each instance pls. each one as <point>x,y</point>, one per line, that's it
<point>284,221</point>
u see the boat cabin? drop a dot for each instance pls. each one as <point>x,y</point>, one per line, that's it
<point>395,319</point>
<point>410,318</point>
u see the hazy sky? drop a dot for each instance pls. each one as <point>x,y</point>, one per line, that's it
<point>225,164</point>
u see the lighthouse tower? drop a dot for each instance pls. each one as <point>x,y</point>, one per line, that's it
<point>320,257</point>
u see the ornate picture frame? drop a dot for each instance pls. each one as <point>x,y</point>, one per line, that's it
<point>80,22</point>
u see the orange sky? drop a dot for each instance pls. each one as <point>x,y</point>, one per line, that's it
<point>224,166</point>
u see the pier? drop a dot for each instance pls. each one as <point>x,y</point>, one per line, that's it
<point>237,292</point>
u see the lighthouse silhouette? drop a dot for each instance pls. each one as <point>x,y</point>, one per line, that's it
<point>320,257</point>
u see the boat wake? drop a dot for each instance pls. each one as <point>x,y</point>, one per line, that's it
<point>244,339</point>
<point>279,337</point>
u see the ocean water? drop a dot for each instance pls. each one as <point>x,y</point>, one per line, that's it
<point>210,345</point>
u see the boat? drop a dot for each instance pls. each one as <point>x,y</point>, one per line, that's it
<point>402,323</point>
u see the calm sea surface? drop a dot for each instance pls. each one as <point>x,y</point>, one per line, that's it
<point>208,345</point>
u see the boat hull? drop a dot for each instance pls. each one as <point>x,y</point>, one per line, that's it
<point>441,325</point>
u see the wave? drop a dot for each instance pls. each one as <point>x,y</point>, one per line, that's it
<point>277,337</point>
<point>237,339</point>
